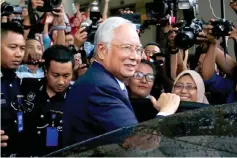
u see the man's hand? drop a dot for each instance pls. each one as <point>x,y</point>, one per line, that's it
<point>233,33</point>
<point>59,15</point>
<point>167,103</point>
<point>81,70</point>
<point>77,6</point>
<point>80,37</point>
<point>4,138</point>
<point>206,35</point>
<point>49,19</point>
<point>37,3</point>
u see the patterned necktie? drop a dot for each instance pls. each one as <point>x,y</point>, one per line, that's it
<point>125,91</point>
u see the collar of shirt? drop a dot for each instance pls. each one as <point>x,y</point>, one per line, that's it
<point>57,97</point>
<point>24,68</point>
<point>7,74</point>
<point>148,97</point>
<point>121,84</point>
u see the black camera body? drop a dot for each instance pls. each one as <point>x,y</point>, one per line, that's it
<point>94,12</point>
<point>187,35</point>
<point>8,9</point>
<point>158,10</point>
<point>221,27</point>
<point>49,5</point>
<point>134,18</point>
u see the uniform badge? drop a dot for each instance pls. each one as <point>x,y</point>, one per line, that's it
<point>31,96</point>
<point>3,101</point>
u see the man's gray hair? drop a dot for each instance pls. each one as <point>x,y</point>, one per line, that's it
<point>105,31</point>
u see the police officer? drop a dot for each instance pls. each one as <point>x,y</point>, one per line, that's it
<point>47,97</point>
<point>12,52</point>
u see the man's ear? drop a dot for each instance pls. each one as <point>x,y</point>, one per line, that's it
<point>101,51</point>
<point>45,72</point>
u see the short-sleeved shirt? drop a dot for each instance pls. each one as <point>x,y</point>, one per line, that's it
<point>223,86</point>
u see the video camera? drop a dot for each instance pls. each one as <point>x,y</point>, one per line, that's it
<point>187,35</point>
<point>163,12</point>
<point>8,9</point>
<point>158,10</point>
<point>91,25</point>
<point>49,5</point>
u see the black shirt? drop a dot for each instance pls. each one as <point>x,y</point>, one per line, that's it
<point>10,90</point>
<point>46,116</point>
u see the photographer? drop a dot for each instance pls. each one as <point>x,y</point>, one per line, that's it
<point>175,62</point>
<point>58,23</point>
<point>178,57</point>
<point>24,13</point>
<point>214,56</point>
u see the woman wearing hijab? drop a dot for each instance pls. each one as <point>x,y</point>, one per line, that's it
<point>190,87</point>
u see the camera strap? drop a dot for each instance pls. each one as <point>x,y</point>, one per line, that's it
<point>224,46</point>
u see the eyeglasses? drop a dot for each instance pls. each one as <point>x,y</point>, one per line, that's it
<point>180,86</point>
<point>140,75</point>
<point>127,48</point>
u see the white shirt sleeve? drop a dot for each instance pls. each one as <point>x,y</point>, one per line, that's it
<point>162,114</point>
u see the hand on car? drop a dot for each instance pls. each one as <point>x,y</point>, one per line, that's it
<point>167,103</point>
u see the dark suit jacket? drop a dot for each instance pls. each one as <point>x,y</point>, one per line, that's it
<point>95,105</point>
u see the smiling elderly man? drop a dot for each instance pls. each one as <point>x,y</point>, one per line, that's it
<point>98,101</point>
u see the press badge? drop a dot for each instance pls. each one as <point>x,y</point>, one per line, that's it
<point>52,136</point>
<point>20,121</point>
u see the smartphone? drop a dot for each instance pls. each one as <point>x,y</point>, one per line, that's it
<point>84,58</point>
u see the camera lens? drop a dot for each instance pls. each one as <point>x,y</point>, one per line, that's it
<point>55,3</point>
<point>221,27</point>
<point>185,39</point>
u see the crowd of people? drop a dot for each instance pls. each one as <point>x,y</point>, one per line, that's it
<point>58,89</point>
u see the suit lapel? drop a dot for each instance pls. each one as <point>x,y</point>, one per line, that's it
<point>99,68</point>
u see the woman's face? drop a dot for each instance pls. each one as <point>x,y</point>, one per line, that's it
<point>186,89</point>
<point>138,84</point>
<point>76,22</point>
